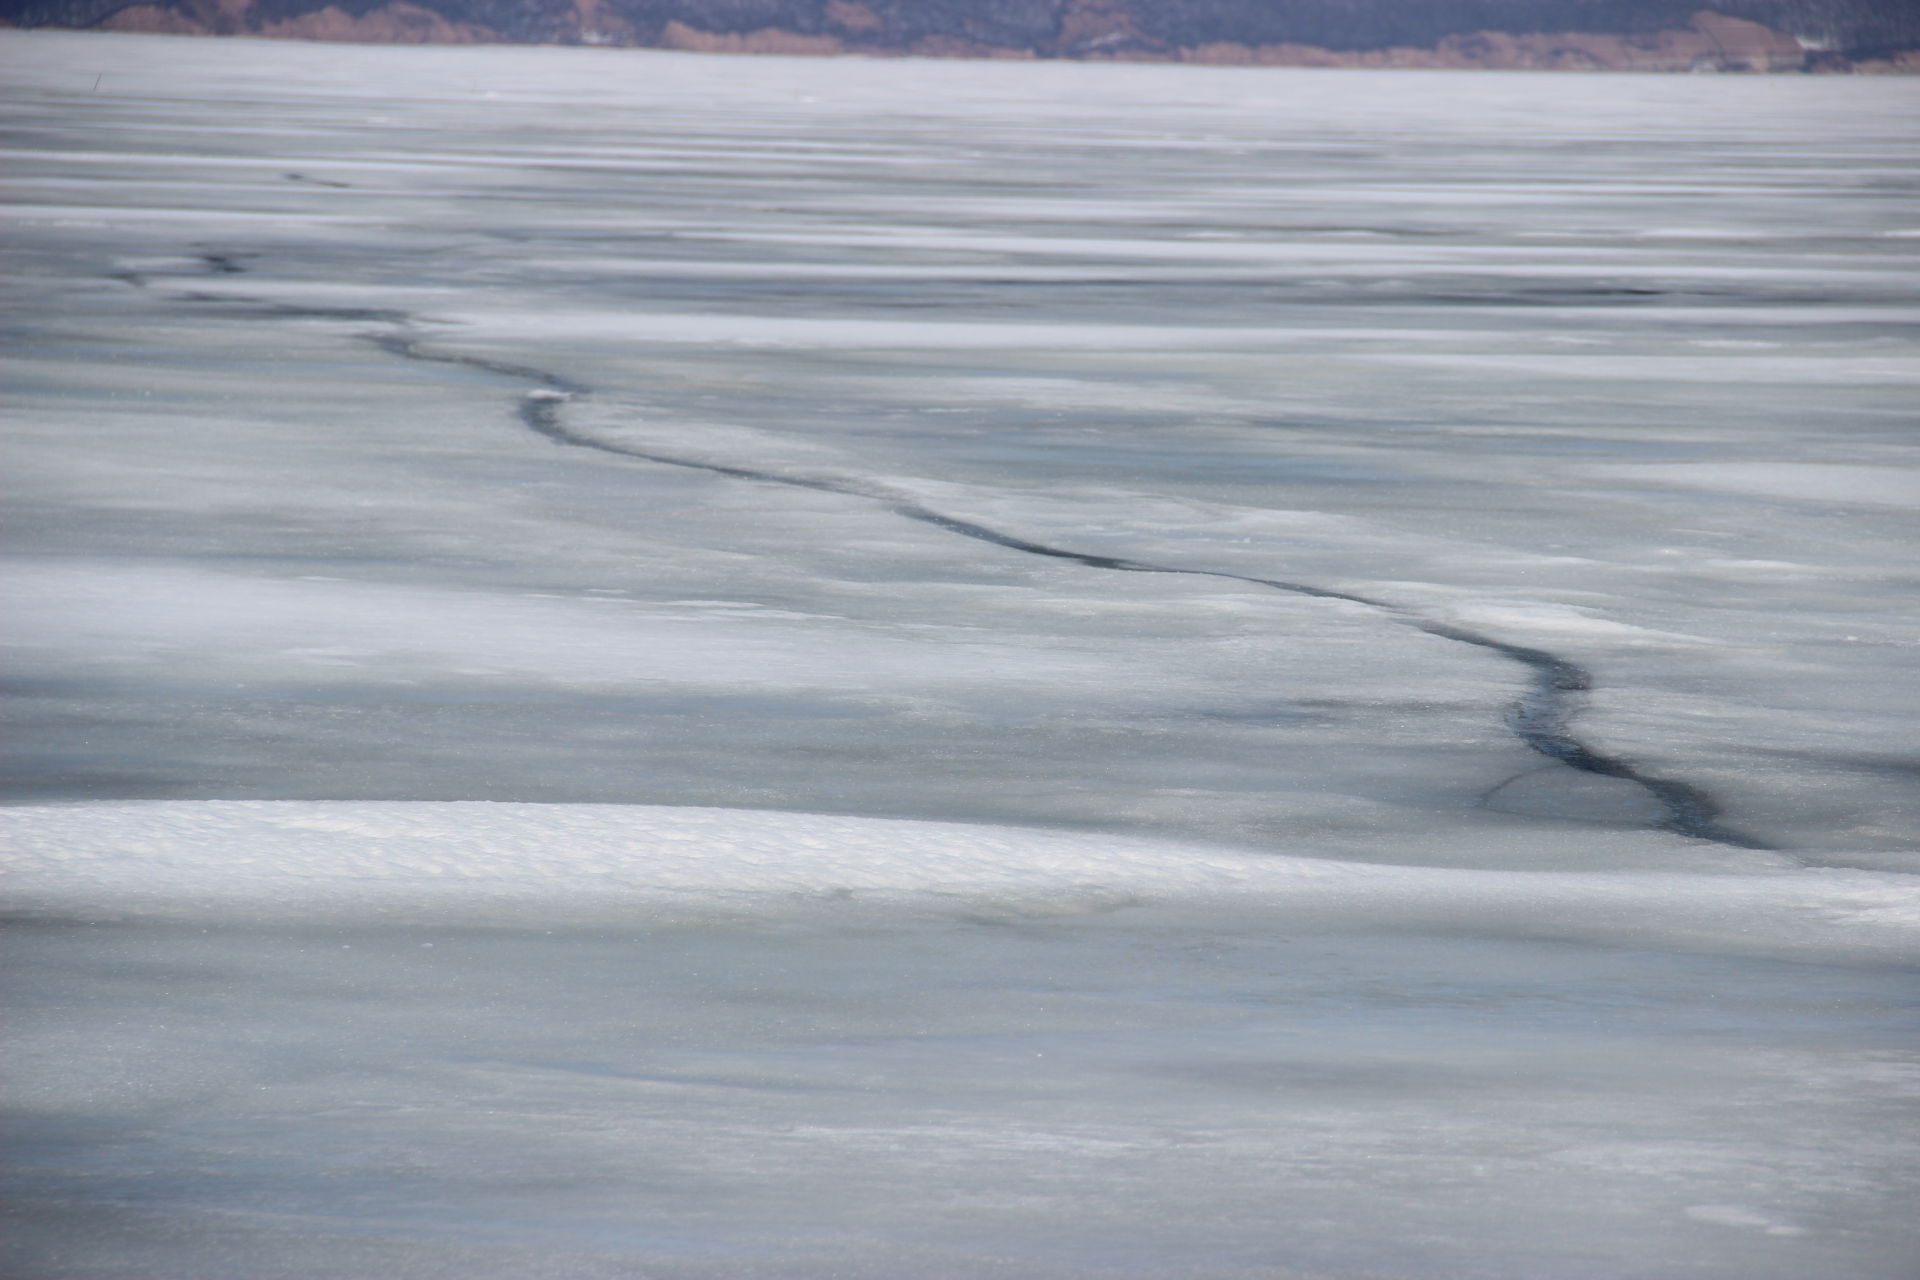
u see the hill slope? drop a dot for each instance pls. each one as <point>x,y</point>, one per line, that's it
<point>1640,35</point>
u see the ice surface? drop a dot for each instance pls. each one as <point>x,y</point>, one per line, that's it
<point>999,1093</point>
<point>630,663</point>
<point>512,865</point>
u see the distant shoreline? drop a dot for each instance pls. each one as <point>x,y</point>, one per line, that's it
<point>1085,31</point>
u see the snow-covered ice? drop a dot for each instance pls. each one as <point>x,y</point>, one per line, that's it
<point>514,865</point>
<point>636,664</point>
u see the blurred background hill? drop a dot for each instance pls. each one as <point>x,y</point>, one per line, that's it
<point>1833,36</point>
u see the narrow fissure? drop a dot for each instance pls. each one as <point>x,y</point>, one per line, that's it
<point>1541,717</point>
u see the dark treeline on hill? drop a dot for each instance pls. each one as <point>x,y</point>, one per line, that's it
<point>1661,35</point>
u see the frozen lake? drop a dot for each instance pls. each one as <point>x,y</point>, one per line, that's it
<point>627,664</point>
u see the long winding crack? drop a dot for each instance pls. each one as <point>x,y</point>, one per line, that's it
<point>1541,717</point>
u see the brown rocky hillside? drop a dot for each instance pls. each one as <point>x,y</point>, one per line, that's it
<point>1845,36</point>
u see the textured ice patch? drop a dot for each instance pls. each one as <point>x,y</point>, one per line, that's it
<point>1562,621</point>
<point>578,327</point>
<point>293,628</point>
<point>515,862</point>
<point>1767,369</point>
<point>1738,1215</point>
<point>452,855</point>
<point>1796,481</point>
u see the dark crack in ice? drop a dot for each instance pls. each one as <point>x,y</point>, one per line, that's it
<point>1541,717</point>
